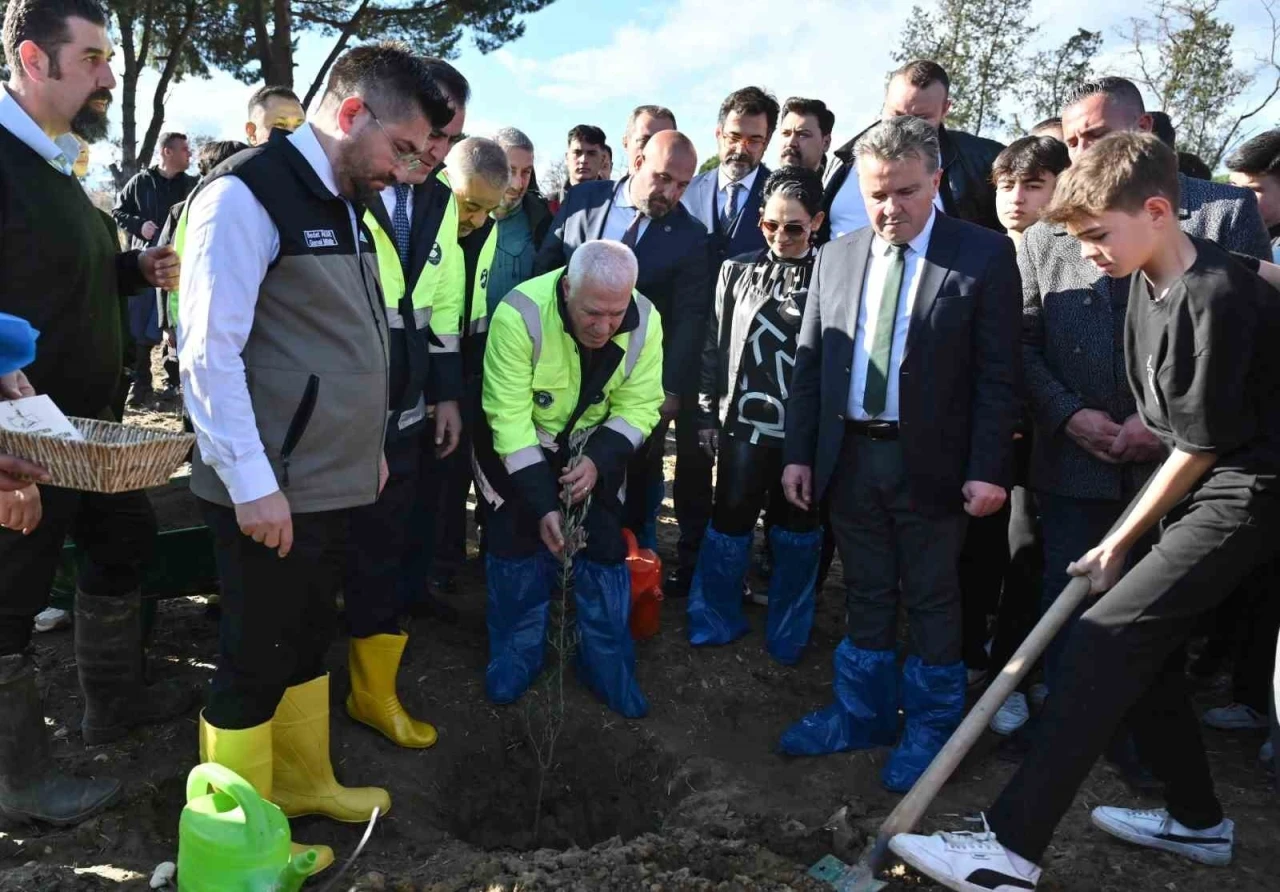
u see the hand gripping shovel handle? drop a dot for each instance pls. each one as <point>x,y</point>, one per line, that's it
<point>913,806</point>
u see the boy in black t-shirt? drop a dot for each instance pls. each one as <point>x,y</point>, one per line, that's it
<point>1199,351</point>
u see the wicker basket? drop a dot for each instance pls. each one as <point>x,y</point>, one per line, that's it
<point>111,458</point>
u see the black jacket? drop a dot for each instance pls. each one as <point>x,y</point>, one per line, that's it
<point>960,374</point>
<point>148,197</point>
<point>967,190</point>
<point>539,213</point>
<point>738,298</point>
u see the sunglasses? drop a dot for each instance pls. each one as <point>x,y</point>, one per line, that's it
<point>772,226</point>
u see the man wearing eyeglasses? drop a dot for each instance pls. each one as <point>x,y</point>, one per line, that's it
<point>284,346</point>
<point>727,201</point>
<point>411,224</point>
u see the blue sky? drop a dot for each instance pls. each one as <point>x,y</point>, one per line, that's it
<point>592,61</point>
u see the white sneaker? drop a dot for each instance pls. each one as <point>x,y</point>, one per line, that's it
<point>1012,714</point>
<point>1039,693</point>
<point>1155,829</point>
<point>966,862</point>
<point>1236,717</point>
<point>52,618</point>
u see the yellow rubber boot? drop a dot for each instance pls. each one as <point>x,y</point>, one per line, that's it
<point>374,663</point>
<point>303,775</point>
<point>248,754</point>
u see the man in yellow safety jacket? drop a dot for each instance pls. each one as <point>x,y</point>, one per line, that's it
<point>572,386</point>
<point>410,222</point>
<point>478,171</point>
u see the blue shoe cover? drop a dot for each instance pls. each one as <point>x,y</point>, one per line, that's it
<point>865,713</point>
<point>606,653</point>
<point>715,595</point>
<point>933,699</point>
<point>517,605</point>
<point>791,592</point>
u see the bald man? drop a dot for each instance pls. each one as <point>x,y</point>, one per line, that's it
<point>643,211</point>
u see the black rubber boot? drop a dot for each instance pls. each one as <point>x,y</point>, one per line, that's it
<point>30,788</point>
<point>109,655</point>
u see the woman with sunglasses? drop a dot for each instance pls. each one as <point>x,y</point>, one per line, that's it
<point>745,378</point>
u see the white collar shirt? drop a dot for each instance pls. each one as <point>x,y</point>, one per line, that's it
<point>60,153</point>
<point>869,310</point>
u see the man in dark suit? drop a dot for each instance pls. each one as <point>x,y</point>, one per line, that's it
<point>903,404</point>
<point>1091,451</point>
<point>922,88</point>
<point>643,211</point>
<point>726,199</point>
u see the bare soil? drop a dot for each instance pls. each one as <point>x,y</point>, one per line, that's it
<point>693,797</point>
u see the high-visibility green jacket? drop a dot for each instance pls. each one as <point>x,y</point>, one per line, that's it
<point>424,303</point>
<point>536,395</point>
<point>475,310</point>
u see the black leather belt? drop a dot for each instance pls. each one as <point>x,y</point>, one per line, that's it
<point>873,430</point>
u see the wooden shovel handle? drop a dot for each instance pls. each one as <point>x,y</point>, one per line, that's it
<point>908,812</point>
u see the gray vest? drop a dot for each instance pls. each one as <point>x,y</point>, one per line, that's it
<point>316,357</point>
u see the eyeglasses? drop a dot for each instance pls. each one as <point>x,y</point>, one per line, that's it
<point>793,229</point>
<point>751,142</point>
<point>408,160</point>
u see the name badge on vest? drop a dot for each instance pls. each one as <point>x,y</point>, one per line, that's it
<point>436,255</point>
<point>542,399</point>
<point>321,238</point>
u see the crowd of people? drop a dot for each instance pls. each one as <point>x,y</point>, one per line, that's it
<point>971,370</point>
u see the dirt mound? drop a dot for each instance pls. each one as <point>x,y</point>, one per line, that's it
<point>673,861</point>
<point>602,785</point>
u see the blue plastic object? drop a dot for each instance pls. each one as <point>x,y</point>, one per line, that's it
<point>17,343</point>
<point>791,592</point>
<point>518,604</point>
<point>933,699</point>
<point>715,595</point>
<point>606,653</point>
<point>865,713</point>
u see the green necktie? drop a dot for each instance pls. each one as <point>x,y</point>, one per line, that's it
<point>877,389</point>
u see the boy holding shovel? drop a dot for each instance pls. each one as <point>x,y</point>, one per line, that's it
<point>1199,331</point>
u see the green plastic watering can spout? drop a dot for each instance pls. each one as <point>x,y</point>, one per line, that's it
<point>296,871</point>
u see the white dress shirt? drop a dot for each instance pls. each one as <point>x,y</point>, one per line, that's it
<point>230,244</point>
<point>722,189</point>
<point>849,209</point>
<point>869,311</point>
<point>60,153</point>
<point>621,212</point>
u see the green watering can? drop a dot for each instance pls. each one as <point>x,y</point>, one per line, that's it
<point>232,840</point>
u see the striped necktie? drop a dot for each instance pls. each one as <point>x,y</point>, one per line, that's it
<point>400,222</point>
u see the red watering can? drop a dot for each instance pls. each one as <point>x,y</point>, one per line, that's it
<point>646,588</point>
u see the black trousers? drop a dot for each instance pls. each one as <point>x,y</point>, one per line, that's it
<point>1125,658</point>
<point>691,488</point>
<point>1020,599</point>
<point>984,562</point>
<point>279,615</point>
<point>379,544</point>
<point>1253,672</point>
<point>890,549</point>
<point>513,528</point>
<point>116,533</point>
<point>746,477</point>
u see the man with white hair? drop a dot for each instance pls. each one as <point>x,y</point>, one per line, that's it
<point>572,386</point>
